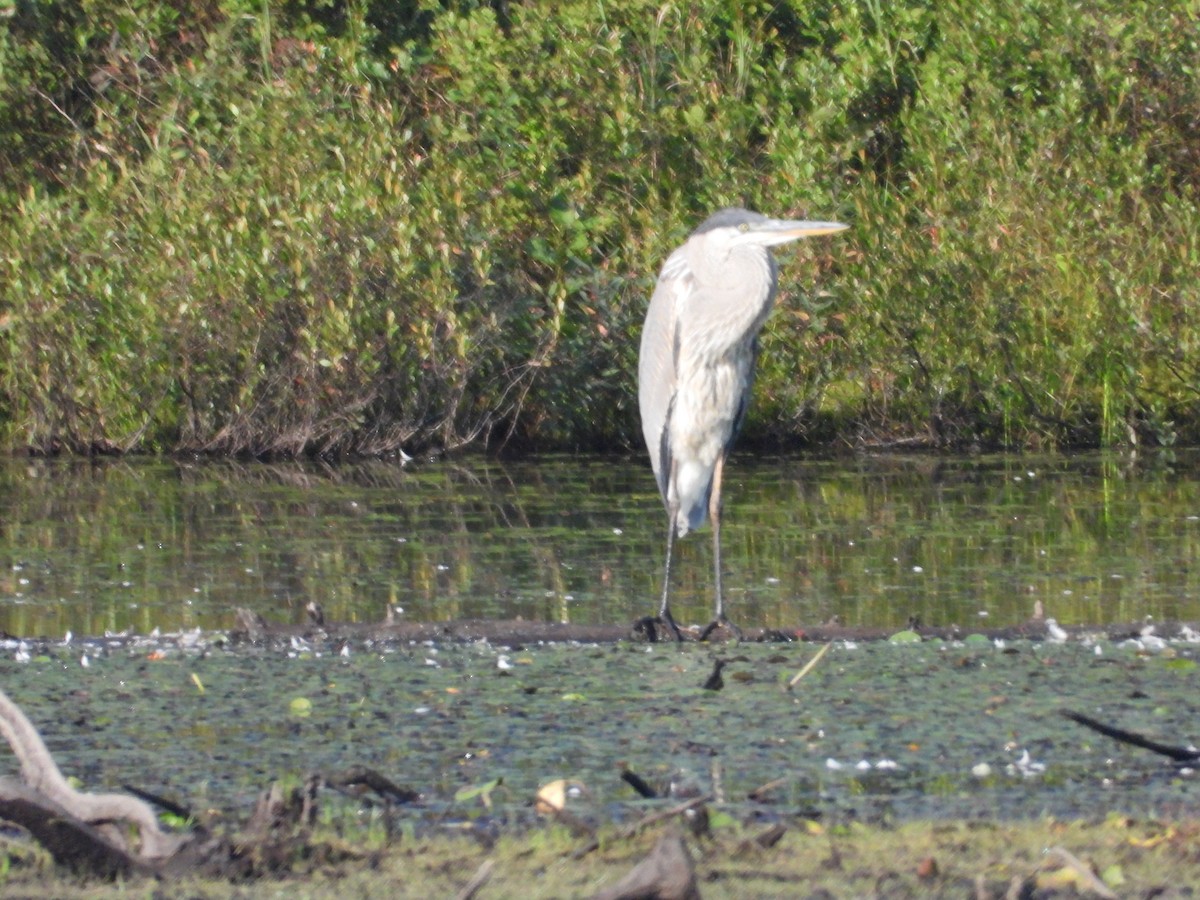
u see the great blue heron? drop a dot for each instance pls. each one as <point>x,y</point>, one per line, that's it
<point>696,367</point>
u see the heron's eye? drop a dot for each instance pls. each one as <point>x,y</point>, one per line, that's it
<point>744,227</point>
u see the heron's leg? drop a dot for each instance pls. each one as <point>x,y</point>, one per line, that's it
<point>714,517</point>
<point>664,609</point>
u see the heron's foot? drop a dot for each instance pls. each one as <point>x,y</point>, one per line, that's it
<point>717,623</point>
<point>650,627</point>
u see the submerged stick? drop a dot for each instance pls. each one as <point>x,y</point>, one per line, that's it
<point>1178,754</point>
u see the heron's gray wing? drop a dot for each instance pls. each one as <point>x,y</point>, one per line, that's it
<point>656,363</point>
<point>751,366</point>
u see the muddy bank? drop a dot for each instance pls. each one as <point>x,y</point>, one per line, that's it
<point>254,631</point>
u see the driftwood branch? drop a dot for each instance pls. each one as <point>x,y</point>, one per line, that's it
<point>73,844</point>
<point>89,833</point>
<point>65,810</point>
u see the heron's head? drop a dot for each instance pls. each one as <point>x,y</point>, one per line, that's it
<point>736,227</point>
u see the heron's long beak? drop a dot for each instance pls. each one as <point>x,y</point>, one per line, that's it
<point>780,231</point>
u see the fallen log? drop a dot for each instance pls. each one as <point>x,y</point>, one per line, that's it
<point>50,800</point>
<point>87,833</point>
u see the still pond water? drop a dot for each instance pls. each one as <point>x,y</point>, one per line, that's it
<point>132,544</point>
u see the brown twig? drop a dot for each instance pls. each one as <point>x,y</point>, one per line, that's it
<point>809,666</point>
<point>649,819</point>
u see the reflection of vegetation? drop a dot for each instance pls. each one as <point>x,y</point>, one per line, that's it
<point>991,536</point>
<point>96,546</point>
<point>143,545</point>
<point>273,227</point>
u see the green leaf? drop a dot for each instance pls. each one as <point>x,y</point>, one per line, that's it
<point>1179,664</point>
<point>481,790</point>
<point>300,707</point>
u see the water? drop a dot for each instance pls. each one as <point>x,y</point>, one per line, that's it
<point>131,544</point>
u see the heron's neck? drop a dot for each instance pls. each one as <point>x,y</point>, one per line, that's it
<point>734,296</point>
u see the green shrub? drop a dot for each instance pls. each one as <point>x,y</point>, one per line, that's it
<point>270,228</point>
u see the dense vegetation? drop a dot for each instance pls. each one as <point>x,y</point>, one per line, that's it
<point>280,226</point>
